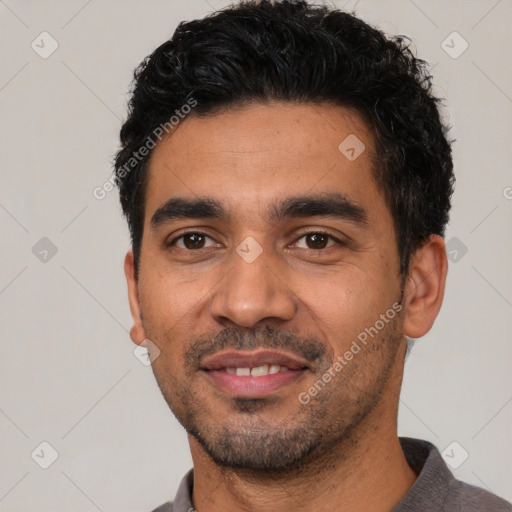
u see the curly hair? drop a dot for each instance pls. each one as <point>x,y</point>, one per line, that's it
<point>291,51</point>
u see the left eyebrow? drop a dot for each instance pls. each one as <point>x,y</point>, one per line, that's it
<point>319,205</point>
<point>311,205</point>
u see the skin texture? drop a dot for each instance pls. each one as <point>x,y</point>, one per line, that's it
<point>309,296</point>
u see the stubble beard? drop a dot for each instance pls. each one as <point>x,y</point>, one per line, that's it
<point>328,426</point>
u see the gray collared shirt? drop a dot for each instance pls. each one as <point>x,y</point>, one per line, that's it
<point>435,490</point>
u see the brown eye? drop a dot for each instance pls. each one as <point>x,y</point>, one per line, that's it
<point>316,241</point>
<point>190,241</point>
<point>193,241</point>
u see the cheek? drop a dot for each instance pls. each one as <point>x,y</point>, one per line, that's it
<point>165,296</point>
<point>345,305</point>
<point>161,309</point>
<point>172,307</point>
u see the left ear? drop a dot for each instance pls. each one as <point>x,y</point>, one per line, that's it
<point>424,288</point>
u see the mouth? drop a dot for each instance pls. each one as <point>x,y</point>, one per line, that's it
<point>253,374</point>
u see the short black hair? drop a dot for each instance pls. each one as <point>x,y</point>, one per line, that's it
<point>291,51</point>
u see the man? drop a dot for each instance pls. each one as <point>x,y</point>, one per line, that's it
<point>287,181</point>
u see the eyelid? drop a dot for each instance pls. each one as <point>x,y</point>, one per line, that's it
<point>299,235</point>
<point>175,238</point>
<point>318,232</point>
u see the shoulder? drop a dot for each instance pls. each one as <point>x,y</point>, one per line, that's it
<point>469,498</point>
<point>436,488</point>
<point>166,507</point>
<point>183,500</point>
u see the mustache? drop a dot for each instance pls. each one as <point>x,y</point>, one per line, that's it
<point>309,348</point>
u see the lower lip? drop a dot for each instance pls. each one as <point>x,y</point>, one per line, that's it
<point>252,387</point>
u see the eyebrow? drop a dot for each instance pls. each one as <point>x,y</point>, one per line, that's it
<point>333,205</point>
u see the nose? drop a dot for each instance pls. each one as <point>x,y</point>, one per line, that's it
<point>252,292</point>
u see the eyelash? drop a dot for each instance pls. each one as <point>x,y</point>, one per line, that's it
<point>301,235</point>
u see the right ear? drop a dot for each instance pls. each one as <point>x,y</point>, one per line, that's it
<point>137,332</point>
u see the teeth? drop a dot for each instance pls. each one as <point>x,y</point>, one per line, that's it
<point>258,371</point>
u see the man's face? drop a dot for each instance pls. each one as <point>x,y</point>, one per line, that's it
<point>291,258</point>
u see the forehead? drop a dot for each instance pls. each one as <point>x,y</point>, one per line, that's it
<point>251,156</point>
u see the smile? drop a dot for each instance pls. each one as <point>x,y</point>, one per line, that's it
<point>257,371</point>
<point>253,374</point>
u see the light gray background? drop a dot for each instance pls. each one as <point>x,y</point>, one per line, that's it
<point>68,373</point>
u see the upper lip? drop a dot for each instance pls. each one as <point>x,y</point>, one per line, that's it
<point>252,358</point>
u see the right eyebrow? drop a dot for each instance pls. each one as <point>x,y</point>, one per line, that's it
<point>181,208</point>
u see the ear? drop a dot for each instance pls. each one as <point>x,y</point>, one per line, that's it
<point>137,332</point>
<point>424,288</point>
